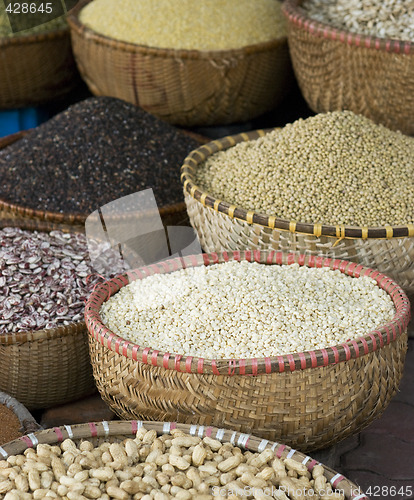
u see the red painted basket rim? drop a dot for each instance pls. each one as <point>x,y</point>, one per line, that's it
<point>297,15</point>
<point>254,366</point>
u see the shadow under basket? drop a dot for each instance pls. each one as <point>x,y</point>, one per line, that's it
<point>184,87</point>
<point>338,70</point>
<point>308,400</point>
<point>117,431</point>
<point>46,367</point>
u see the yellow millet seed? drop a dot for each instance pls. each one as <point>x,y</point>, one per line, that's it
<point>333,168</point>
<point>187,24</point>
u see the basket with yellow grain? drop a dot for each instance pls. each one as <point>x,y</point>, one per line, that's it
<point>187,62</point>
<point>335,184</point>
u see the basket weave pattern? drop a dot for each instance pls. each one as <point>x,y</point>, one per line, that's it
<point>340,70</point>
<point>35,69</point>
<point>184,87</point>
<point>48,367</point>
<point>309,400</point>
<point>99,432</point>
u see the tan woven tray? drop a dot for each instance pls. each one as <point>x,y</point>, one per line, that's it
<point>341,70</point>
<point>116,431</point>
<point>185,87</point>
<point>35,69</point>
<point>308,400</point>
<point>46,367</point>
<point>223,226</point>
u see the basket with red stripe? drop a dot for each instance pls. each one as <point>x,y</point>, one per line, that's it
<point>338,69</point>
<point>117,431</point>
<point>309,400</point>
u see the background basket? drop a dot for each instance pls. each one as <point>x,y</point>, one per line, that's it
<point>222,226</point>
<point>46,367</point>
<point>341,70</point>
<point>35,69</point>
<point>98,432</point>
<point>185,87</point>
<point>308,400</point>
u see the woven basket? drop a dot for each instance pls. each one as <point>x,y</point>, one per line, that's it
<point>35,69</point>
<point>117,431</point>
<point>185,87</point>
<point>342,70</point>
<point>223,226</point>
<point>26,419</point>
<point>171,215</point>
<point>308,400</point>
<point>48,367</point>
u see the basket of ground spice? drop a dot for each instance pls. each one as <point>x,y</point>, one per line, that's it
<point>335,184</point>
<point>96,151</point>
<point>15,419</point>
<point>355,55</point>
<point>185,61</point>
<point>136,459</point>
<point>43,342</point>
<point>36,64</point>
<point>289,347</point>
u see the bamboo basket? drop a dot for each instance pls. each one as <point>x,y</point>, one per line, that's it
<point>117,431</point>
<point>341,70</point>
<point>26,419</point>
<point>184,87</point>
<point>47,367</point>
<point>171,215</point>
<point>223,226</point>
<point>36,69</point>
<point>309,400</point>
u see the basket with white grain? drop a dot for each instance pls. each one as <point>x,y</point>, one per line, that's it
<point>308,399</point>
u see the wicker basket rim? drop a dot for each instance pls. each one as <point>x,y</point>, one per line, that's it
<point>123,428</point>
<point>75,24</point>
<point>45,333</point>
<point>358,347</point>
<point>34,38</point>
<point>340,232</point>
<point>297,15</point>
<point>58,217</point>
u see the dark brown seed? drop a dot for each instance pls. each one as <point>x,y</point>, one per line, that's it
<point>96,151</point>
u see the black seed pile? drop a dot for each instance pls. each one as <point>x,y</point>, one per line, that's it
<point>96,151</point>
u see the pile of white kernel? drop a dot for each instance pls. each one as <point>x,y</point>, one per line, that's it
<point>244,310</point>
